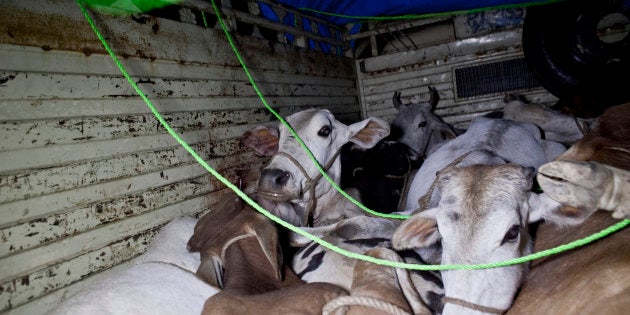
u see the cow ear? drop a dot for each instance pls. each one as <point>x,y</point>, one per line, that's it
<point>419,231</point>
<point>542,207</point>
<point>262,139</point>
<point>211,270</point>
<point>448,134</point>
<point>369,132</point>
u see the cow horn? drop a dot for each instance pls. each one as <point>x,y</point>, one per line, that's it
<point>396,100</point>
<point>434,99</point>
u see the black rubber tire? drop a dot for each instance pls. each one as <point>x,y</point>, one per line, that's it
<point>563,51</point>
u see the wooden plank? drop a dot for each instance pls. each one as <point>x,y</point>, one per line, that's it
<point>38,207</point>
<point>39,232</point>
<point>30,59</point>
<point>11,110</point>
<point>45,303</point>
<point>34,134</point>
<point>64,154</point>
<point>490,42</point>
<point>145,39</point>
<point>80,219</point>
<point>36,182</point>
<point>73,86</point>
<point>22,289</point>
<point>25,262</point>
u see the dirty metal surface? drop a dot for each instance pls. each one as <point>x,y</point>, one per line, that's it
<point>411,72</point>
<point>87,175</point>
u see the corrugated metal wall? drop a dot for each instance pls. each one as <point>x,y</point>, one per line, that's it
<point>475,40</point>
<point>87,174</point>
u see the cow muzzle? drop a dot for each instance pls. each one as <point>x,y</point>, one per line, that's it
<point>272,185</point>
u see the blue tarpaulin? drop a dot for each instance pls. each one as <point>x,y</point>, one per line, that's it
<point>396,7</point>
<point>377,8</point>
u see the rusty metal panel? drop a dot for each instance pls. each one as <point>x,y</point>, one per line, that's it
<point>87,174</point>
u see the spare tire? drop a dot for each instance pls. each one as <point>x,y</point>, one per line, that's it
<point>570,50</point>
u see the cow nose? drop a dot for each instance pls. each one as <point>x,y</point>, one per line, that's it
<point>276,177</point>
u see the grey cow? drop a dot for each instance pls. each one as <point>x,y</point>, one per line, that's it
<point>418,127</point>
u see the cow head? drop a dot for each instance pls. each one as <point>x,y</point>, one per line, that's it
<point>481,217</point>
<point>418,127</point>
<point>291,176</point>
<point>583,188</point>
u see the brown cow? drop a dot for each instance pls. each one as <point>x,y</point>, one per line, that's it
<point>240,253</point>
<point>594,279</point>
<point>608,142</point>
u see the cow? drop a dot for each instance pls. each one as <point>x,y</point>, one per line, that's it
<point>380,174</point>
<point>593,279</point>
<point>592,174</point>
<point>587,187</point>
<point>240,253</point>
<point>476,188</point>
<point>557,126</point>
<point>361,234</point>
<point>160,281</point>
<point>482,216</point>
<point>480,213</point>
<point>291,176</point>
<point>487,141</point>
<point>608,142</point>
<point>418,127</point>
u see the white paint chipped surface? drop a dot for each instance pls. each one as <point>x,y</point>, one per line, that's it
<point>87,175</point>
<point>411,72</point>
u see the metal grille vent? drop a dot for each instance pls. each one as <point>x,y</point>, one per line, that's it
<point>494,78</point>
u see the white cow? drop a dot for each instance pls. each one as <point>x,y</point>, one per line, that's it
<point>487,141</point>
<point>291,176</point>
<point>477,189</point>
<point>160,281</point>
<point>482,216</point>
<point>557,126</point>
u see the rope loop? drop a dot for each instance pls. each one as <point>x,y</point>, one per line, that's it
<point>345,301</point>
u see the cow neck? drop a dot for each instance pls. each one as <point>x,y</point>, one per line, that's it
<point>232,241</point>
<point>311,183</point>
<point>405,178</point>
<point>425,200</point>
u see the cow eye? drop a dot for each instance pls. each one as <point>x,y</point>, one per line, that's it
<point>512,234</point>
<point>422,124</point>
<point>324,132</point>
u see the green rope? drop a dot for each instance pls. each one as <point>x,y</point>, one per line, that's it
<point>203,16</point>
<point>431,15</point>
<point>173,133</point>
